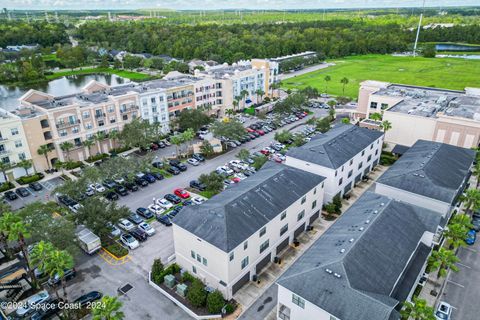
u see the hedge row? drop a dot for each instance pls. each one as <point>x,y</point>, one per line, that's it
<point>6,186</point>
<point>29,179</point>
<point>97,157</point>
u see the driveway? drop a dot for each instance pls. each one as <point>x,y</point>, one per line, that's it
<point>284,76</point>
<point>42,195</point>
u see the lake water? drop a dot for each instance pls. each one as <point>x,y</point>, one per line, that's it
<point>456,47</point>
<point>58,87</point>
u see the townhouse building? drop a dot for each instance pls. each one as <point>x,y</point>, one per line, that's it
<point>343,155</point>
<point>364,266</point>
<point>440,115</point>
<point>429,174</point>
<point>232,237</point>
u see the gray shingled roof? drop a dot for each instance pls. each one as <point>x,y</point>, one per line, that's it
<point>379,235</point>
<point>432,169</point>
<point>231,217</point>
<point>337,146</point>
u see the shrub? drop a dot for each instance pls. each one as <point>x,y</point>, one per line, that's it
<point>97,157</point>
<point>157,271</point>
<point>229,308</point>
<point>196,294</point>
<point>337,201</point>
<point>215,302</point>
<point>70,165</point>
<point>187,277</point>
<point>120,150</point>
<point>6,186</point>
<point>331,208</point>
<point>29,179</point>
<point>117,250</point>
<point>387,159</point>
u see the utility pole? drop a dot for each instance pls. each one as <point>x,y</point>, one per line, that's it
<point>418,30</point>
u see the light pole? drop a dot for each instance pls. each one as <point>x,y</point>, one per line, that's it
<point>418,30</point>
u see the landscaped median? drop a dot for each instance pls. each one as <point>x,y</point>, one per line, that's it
<point>188,292</point>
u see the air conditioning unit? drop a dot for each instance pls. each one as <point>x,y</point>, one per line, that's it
<point>254,277</point>
<point>182,290</point>
<point>169,281</point>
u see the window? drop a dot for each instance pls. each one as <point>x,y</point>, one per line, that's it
<point>363,152</point>
<point>125,117</point>
<point>111,109</point>
<point>101,123</point>
<point>192,253</point>
<point>369,158</point>
<point>86,115</point>
<point>351,162</point>
<point>376,152</point>
<point>263,231</point>
<point>333,318</point>
<point>194,269</point>
<point>360,165</point>
<point>14,131</point>
<point>199,258</point>
<point>335,173</point>
<point>153,99</point>
<point>314,204</point>
<point>232,255</point>
<point>301,215</point>
<point>245,245</point>
<point>22,156</point>
<point>264,246</point>
<point>75,130</point>
<point>284,312</point>
<point>283,230</point>
<point>18,143</point>
<point>204,261</point>
<point>373,105</point>
<point>88,125</point>
<point>350,173</point>
<point>384,106</point>
<point>340,181</point>
<point>298,301</point>
<point>63,133</point>
<point>342,168</point>
<point>304,199</point>
<point>315,191</point>
<point>112,120</point>
<point>283,215</point>
<point>371,146</point>
<point>5,160</point>
<point>244,262</point>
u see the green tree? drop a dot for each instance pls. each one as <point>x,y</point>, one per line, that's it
<point>283,136</point>
<point>345,120</point>
<point>331,113</point>
<point>19,232</point>
<point>25,165</point>
<point>207,149</point>
<point>196,294</point>
<point>177,140</point>
<point>187,136</point>
<point>337,201</point>
<point>471,199</point>
<point>4,167</point>
<point>327,79</point>
<point>235,104</point>
<point>215,302</point>
<point>66,147</point>
<point>417,310</point>
<point>40,254</point>
<point>323,125</point>
<point>44,150</point>
<point>7,219</point>
<point>99,138</point>
<point>299,140</point>
<point>429,51</point>
<point>442,260</point>
<point>57,262</point>
<point>259,161</point>
<point>476,171</point>
<point>192,119</point>
<point>259,93</point>
<point>104,62</point>
<point>244,95</point>
<point>386,125</point>
<point>108,309</point>
<point>376,116</point>
<point>231,129</point>
<point>243,154</point>
<point>117,64</point>
<point>157,271</point>
<point>213,182</point>
<point>229,112</point>
<point>344,81</point>
<point>89,144</point>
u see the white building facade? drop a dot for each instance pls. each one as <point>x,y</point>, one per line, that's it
<point>153,107</point>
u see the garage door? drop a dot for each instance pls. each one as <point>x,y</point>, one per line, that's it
<point>347,188</point>
<point>282,245</point>
<point>263,263</point>
<point>241,282</point>
<point>367,170</point>
<point>314,217</point>
<point>357,178</point>
<point>299,230</point>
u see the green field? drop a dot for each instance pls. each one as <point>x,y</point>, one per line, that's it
<point>448,73</point>
<point>122,73</point>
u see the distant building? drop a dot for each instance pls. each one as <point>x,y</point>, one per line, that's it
<point>194,64</point>
<point>305,55</point>
<point>432,114</point>
<point>364,266</point>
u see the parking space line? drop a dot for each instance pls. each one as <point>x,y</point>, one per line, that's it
<point>455,283</point>
<point>470,249</point>
<point>463,265</point>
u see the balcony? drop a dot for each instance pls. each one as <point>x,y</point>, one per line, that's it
<point>4,152</point>
<point>100,115</point>
<point>129,109</point>
<point>63,125</point>
<point>3,138</point>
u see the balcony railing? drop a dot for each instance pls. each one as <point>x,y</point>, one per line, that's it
<point>129,109</point>
<point>100,115</point>
<point>4,151</point>
<point>63,125</point>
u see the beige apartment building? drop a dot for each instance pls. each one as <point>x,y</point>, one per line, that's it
<point>416,113</point>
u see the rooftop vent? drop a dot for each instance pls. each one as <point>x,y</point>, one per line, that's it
<point>337,275</point>
<point>382,204</point>
<point>361,229</point>
<point>375,212</point>
<point>328,271</point>
<point>351,240</point>
<point>367,221</point>
<point>342,250</point>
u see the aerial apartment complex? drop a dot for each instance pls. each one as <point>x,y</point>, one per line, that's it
<point>432,114</point>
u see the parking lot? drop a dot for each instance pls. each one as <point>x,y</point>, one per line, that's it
<point>42,195</point>
<point>462,288</point>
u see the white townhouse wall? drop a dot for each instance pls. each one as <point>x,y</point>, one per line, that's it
<point>429,174</point>
<point>153,107</point>
<point>293,311</point>
<point>342,155</point>
<point>230,238</point>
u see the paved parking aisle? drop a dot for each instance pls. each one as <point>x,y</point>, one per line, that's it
<point>42,195</point>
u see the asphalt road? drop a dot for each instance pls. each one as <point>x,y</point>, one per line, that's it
<point>293,74</point>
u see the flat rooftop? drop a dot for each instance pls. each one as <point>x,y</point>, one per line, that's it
<point>223,71</point>
<point>429,102</point>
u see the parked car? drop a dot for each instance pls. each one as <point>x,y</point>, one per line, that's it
<point>182,193</point>
<point>35,186</point>
<point>147,228</point>
<point>22,192</point>
<point>198,157</point>
<point>110,195</point>
<point>139,234</point>
<point>10,195</point>
<point>144,212</point>
<point>197,185</point>
<point>32,302</point>
<point>129,241</point>
<point>172,198</point>
<point>178,164</point>
<point>173,170</point>
<point>121,190</point>
<point>444,311</point>
<point>476,222</point>
<point>164,203</point>
<point>135,218</point>
<point>471,237</point>
<point>164,220</point>
<point>193,162</point>
<point>114,231</point>
<point>89,192</point>
<point>157,176</point>
<point>109,184</point>
<point>156,209</point>
<point>131,186</point>
<point>47,313</point>
<point>125,225</point>
<point>97,187</point>
<point>224,170</point>
<point>141,182</point>
<point>68,275</point>
<point>87,298</point>
<point>149,177</point>
<point>198,200</point>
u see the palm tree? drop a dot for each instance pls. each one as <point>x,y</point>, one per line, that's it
<point>386,125</point>
<point>244,94</point>
<point>230,112</point>
<point>418,310</point>
<point>188,135</point>
<point>177,140</point>
<point>471,199</point>
<point>44,150</point>
<point>442,260</point>
<point>25,164</point>
<point>40,254</point>
<point>58,261</point>
<point>66,147</point>
<point>327,80</point>
<point>6,222</point>
<point>19,232</point>
<point>344,82</point>
<point>476,172</point>
<point>108,309</point>
<point>259,93</point>
<point>376,116</point>
<point>236,102</point>
<point>3,168</point>
<point>99,137</point>
<point>89,143</point>
<point>113,135</point>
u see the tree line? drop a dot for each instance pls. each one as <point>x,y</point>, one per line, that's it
<point>37,32</point>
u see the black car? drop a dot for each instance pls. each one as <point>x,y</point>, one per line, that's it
<point>22,192</point>
<point>141,182</point>
<point>198,157</point>
<point>121,190</point>
<point>68,275</point>
<point>251,136</point>
<point>139,234</point>
<point>35,186</point>
<point>135,218</point>
<point>173,198</point>
<point>164,220</point>
<point>44,313</point>
<point>88,298</point>
<point>157,175</point>
<point>10,195</point>
<point>173,170</point>
<point>197,185</point>
<point>178,164</point>
<point>158,165</point>
<point>131,186</point>
<point>109,184</point>
<point>149,177</point>
<point>111,196</point>
<point>476,222</point>
<point>187,203</point>
<point>144,212</point>
<point>256,134</point>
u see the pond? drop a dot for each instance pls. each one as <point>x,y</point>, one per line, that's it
<point>59,87</point>
<point>456,47</point>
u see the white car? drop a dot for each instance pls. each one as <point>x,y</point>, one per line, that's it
<point>167,143</point>
<point>125,225</point>
<point>119,180</point>
<point>97,187</point>
<point>198,200</point>
<point>156,209</point>
<point>32,302</point>
<point>193,162</point>
<point>164,203</point>
<point>224,169</point>
<point>114,231</point>
<point>149,230</point>
<point>444,311</point>
<point>238,164</point>
<point>129,241</point>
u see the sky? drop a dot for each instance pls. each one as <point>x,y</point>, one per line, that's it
<point>222,4</point>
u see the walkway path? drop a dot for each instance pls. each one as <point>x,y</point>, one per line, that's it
<point>316,67</point>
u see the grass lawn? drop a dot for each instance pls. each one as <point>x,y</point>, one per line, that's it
<point>122,73</point>
<point>448,73</point>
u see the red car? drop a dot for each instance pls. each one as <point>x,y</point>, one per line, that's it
<point>264,152</point>
<point>261,132</point>
<point>277,159</point>
<point>236,180</point>
<point>154,146</point>
<point>249,130</point>
<point>181,193</point>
